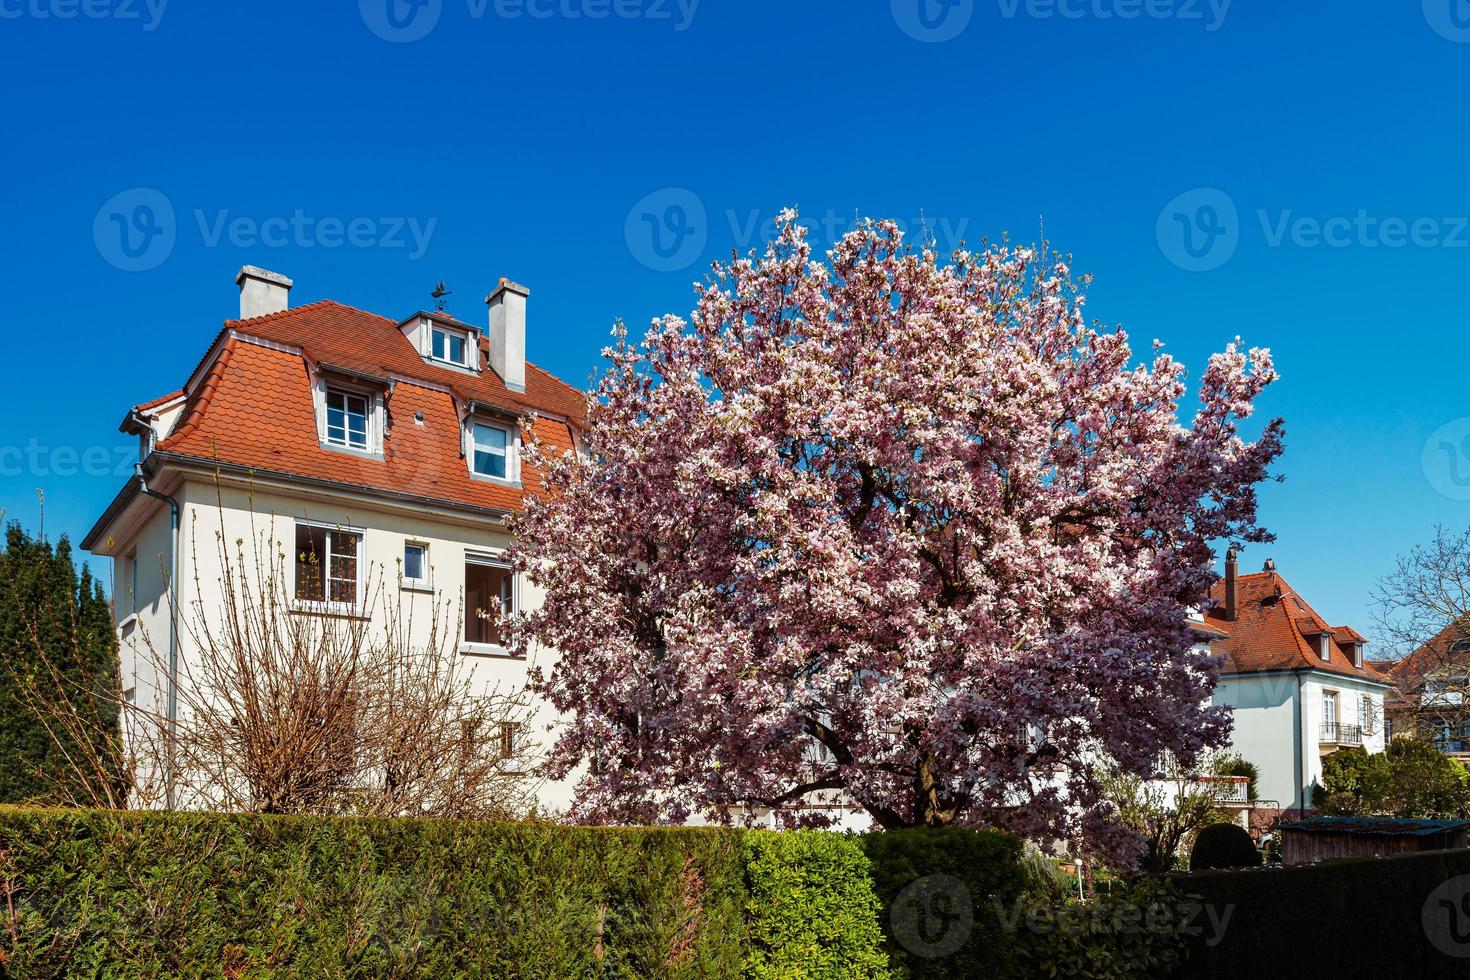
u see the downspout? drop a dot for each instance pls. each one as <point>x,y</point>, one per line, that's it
<point>1301,786</point>
<point>171,711</point>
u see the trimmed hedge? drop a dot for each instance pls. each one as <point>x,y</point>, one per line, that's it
<point>943,892</point>
<point>811,912</point>
<point>101,894</point>
<point>1399,917</point>
<point>1223,845</point>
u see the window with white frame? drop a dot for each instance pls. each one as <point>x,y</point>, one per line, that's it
<point>347,419</point>
<point>1365,714</point>
<point>1329,707</point>
<point>130,578</point>
<point>489,597</point>
<point>415,565</point>
<point>1325,641</point>
<point>327,564</point>
<point>450,346</point>
<point>490,450</point>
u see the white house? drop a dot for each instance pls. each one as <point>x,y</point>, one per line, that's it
<point>367,441</point>
<point>1301,689</point>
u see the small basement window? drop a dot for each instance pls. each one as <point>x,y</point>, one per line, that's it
<point>347,419</point>
<point>489,595</point>
<point>450,346</point>
<point>326,564</point>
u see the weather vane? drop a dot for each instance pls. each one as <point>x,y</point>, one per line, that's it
<point>439,293</point>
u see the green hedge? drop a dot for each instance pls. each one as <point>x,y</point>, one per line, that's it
<point>1399,917</point>
<point>943,894</point>
<point>99,894</point>
<point>811,912</point>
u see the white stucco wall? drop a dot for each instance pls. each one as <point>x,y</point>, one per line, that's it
<point>1278,726</point>
<point>260,514</point>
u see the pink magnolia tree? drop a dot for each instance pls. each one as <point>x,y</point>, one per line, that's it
<point>912,532</point>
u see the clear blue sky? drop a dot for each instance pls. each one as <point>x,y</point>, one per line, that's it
<point>529,139</point>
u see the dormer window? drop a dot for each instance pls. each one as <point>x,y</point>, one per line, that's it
<point>491,451</point>
<point>350,413</point>
<point>1357,649</point>
<point>347,419</point>
<point>450,346</point>
<point>1325,641</point>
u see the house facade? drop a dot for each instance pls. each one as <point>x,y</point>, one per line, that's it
<point>1431,696</point>
<point>1300,688</point>
<point>377,456</point>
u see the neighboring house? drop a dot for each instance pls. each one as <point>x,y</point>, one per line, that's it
<point>1431,696</point>
<point>363,441</point>
<point>1301,689</point>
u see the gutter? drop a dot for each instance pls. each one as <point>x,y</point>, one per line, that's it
<point>325,484</point>
<point>172,712</point>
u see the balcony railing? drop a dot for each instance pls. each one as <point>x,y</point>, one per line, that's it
<point>1336,734</point>
<point>1229,789</point>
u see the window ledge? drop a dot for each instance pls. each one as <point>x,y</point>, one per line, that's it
<point>335,610</point>
<point>416,585</point>
<point>128,622</point>
<point>451,365</point>
<point>332,447</point>
<point>494,650</point>
<point>499,481</point>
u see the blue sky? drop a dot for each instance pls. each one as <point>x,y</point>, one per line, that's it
<point>1289,172</point>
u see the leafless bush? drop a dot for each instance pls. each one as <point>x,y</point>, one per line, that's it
<point>282,706</point>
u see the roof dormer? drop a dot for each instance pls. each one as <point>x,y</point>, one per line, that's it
<point>443,341</point>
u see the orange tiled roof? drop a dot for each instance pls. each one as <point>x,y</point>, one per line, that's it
<point>253,406</point>
<point>1272,628</point>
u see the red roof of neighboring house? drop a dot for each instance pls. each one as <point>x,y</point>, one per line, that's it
<point>1276,629</point>
<point>253,407</point>
<point>1448,650</point>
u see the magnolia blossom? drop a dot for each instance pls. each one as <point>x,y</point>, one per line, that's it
<point>912,532</point>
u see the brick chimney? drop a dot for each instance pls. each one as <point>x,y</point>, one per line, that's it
<point>1232,568</point>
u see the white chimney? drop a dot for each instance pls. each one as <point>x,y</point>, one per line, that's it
<point>261,292</point>
<point>508,333</point>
